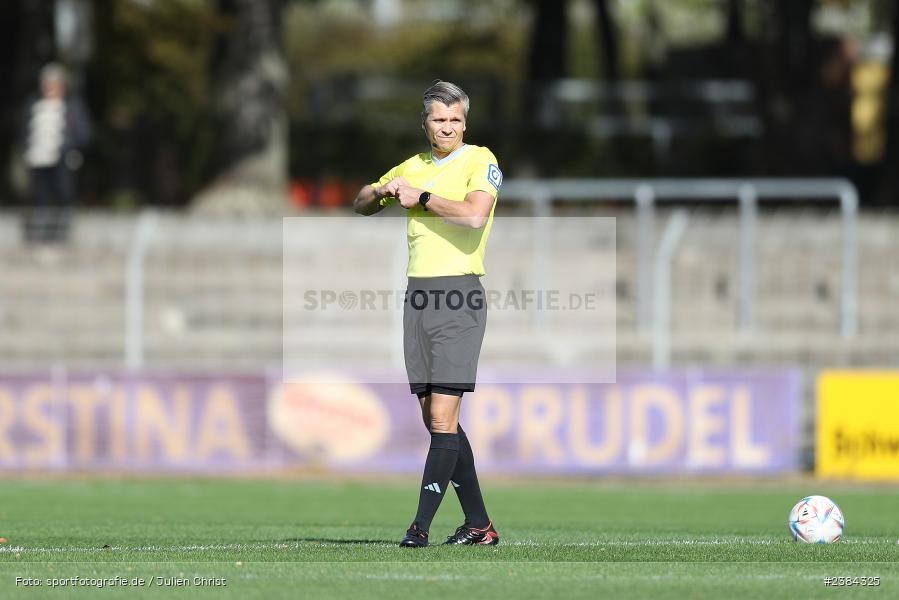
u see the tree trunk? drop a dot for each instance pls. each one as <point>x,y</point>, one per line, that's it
<point>735,34</point>
<point>608,41</point>
<point>546,65</point>
<point>797,42</point>
<point>546,60</point>
<point>250,76</point>
<point>784,81</point>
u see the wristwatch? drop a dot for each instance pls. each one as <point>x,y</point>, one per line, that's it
<point>423,199</point>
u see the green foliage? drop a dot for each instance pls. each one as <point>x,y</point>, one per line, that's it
<point>321,43</point>
<point>156,56</point>
<point>152,66</point>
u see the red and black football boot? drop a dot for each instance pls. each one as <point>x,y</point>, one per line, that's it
<point>471,536</point>
<point>415,537</point>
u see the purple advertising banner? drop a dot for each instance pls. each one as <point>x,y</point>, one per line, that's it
<point>132,422</point>
<point>673,422</point>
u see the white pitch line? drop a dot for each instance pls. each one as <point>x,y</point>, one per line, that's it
<point>740,541</point>
<point>506,543</point>
<point>191,548</point>
<point>423,577</point>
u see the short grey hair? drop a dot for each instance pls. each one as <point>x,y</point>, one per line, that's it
<point>444,92</point>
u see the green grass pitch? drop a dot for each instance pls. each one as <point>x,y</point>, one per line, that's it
<point>327,539</point>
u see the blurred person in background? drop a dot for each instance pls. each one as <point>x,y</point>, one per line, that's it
<point>449,193</point>
<point>56,130</point>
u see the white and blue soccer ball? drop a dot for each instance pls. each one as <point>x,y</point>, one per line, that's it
<point>816,520</point>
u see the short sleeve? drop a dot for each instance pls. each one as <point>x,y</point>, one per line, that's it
<point>484,173</point>
<point>394,172</point>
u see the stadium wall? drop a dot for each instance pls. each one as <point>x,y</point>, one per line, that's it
<point>213,305</point>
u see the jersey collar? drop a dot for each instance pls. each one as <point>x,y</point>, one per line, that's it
<point>448,157</point>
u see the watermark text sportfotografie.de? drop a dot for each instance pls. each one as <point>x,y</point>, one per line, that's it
<point>515,300</point>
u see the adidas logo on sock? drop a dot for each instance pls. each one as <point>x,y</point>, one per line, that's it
<point>455,485</point>
<point>433,487</point>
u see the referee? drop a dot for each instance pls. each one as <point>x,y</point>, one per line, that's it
<point>449,193</point>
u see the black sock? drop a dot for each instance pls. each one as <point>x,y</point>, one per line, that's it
<point>439,467</point>
<point>465,480</point>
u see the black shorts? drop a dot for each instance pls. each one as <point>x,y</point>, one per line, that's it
<point>444,319</point>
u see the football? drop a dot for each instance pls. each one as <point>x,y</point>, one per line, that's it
<point>816,520</point>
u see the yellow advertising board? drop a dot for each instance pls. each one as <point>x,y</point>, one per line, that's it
<point>858,425</point>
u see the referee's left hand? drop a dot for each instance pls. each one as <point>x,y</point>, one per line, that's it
<point>408,196</point>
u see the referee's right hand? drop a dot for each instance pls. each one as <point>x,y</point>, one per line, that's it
<point>391,188</point>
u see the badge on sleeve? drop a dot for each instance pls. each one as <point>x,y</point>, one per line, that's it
<point>494,176</point>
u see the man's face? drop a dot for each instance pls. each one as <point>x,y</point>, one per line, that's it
<point>445,126</point>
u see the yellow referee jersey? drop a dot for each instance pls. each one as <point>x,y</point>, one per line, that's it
<point>436,246</point>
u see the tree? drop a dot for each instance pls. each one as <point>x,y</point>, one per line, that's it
<point>608,41</point>
<point>546,60</point>
<point>546,65</point>
<point>249,83</point>
<point>785,75</point>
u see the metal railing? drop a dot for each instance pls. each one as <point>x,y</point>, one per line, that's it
<point>747,192</point>
<point>646,194</point>
<point>661,338</point>
<point>134,290</point>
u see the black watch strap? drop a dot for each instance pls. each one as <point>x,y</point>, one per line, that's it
<point>423,199</point>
